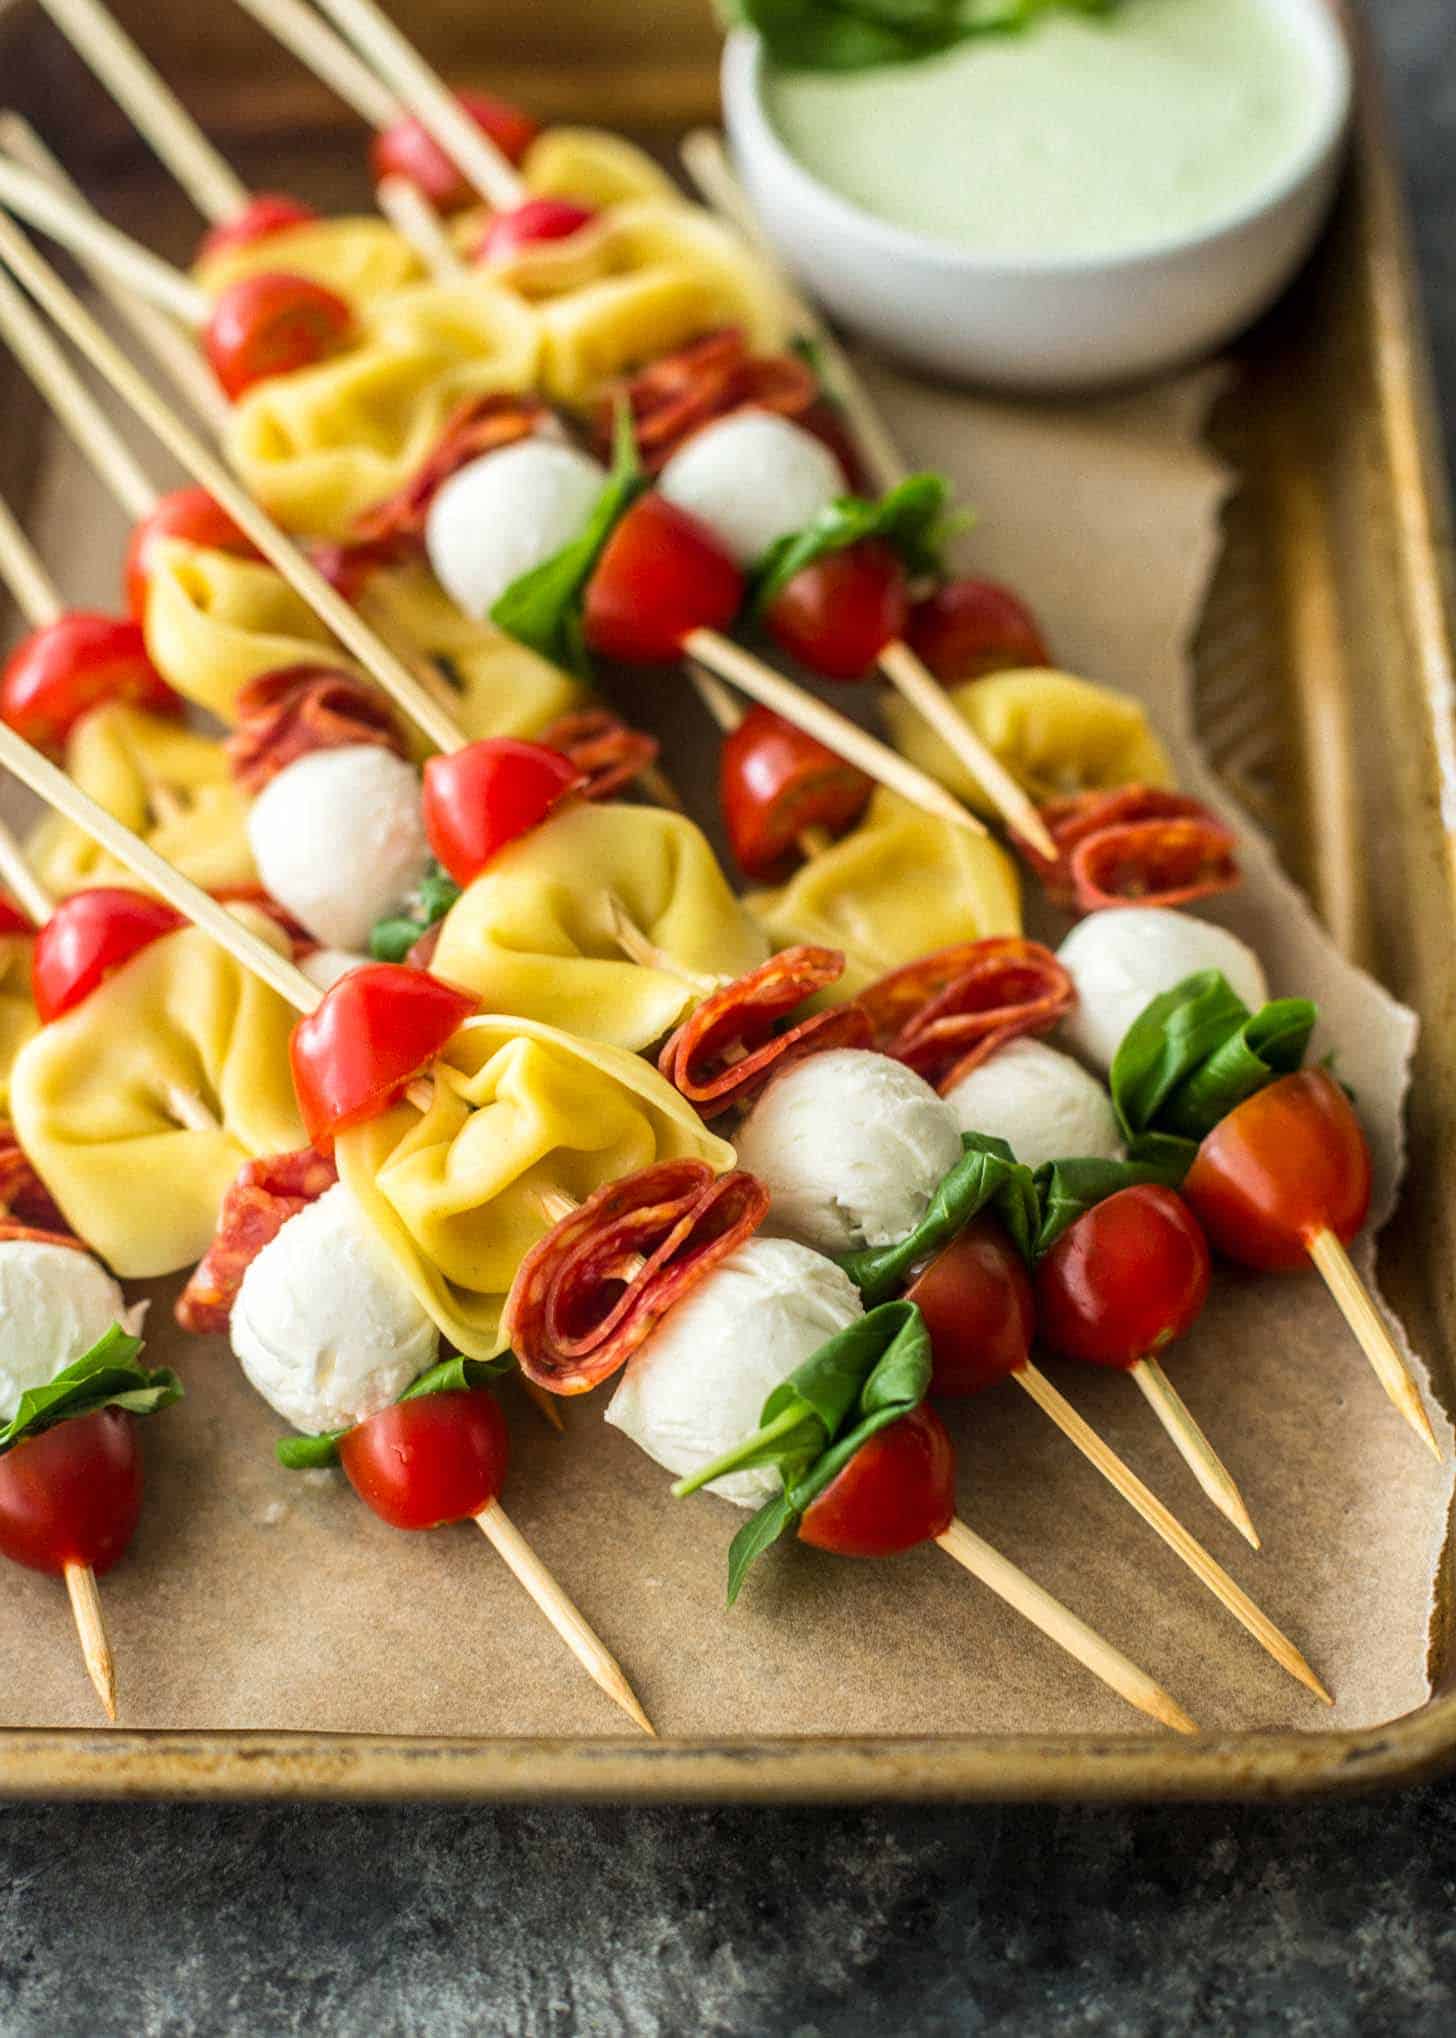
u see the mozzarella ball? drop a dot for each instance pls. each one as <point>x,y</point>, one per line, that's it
<point>339,840</point>
<point>851,1147</point>
<point>325,1325</point>
<point>1125,956</point>
<point>326,965</point>
<point>698,1384</point>
<point>1043,1104</point>
<point>55,1303</point>
<point>753,478</point>
<point>503,514</point>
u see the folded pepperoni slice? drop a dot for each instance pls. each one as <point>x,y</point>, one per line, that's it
<point>27,1208</point>
<point>1073,820</point>
<point>605,750</point>
<point>947,1012</point>
<point>483,424</point>
<point>261,1198</point>
<point>589,1294</point>
<point>674,397</point>
<point>1154,863</point>
<point>721,1057</point>
<point>283,715</point>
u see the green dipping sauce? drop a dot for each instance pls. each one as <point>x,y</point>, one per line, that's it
<point>1080,136</point>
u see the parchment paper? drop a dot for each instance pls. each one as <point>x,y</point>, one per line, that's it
<point>263,1599</point>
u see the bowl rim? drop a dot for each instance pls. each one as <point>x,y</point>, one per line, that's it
<point>745,60</point>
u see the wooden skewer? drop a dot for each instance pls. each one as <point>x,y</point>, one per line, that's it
<point>727,713</point>
<point>1140,1497</point>
<point>411,214</point>
<point>1062,1626</point>
<point>646,952</point>
<point>31,587</point>
<point>95,1649</point>
<point>1202,1460</point>
<point>1358,1309</point>
<point>78,227</point>
<point>296,25</point>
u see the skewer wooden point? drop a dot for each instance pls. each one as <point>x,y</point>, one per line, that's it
<point>545,1404</point>
<point>1193,1446</point>
<point>1355,1304</point>
<point>1140,1497</point>
<point>95,1649</point>
<point>1063,1627</point>
<point>583,1641</point>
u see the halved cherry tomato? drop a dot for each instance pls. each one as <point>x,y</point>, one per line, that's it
<point>774,781</point>
<point>661,574</point>
<point>977,1303</point>
<point>266,212</point>
<point>897,1490</point>
<point>422,1463</point>
<point>971,627</point>
<point>1290,1161</point>
<point>269,325</point>
<point>366,1040</point>
<point>72,1494</point>
<point>81,661</point>
<point>191,515</point>
<point>1126,1279</point>
<point>837,615</point>
<point>406,150</point>
<point>508,234</point>
<point>12,920</point>
<point>484,796</point>
<point>89,936</point>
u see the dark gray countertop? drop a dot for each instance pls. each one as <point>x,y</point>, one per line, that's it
<point>1151,1923</point>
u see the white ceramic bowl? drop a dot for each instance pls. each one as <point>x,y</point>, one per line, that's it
<point>1048,324</point>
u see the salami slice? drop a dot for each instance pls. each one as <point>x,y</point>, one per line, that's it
<point>27,1208</point>
<point>674,397</point>
<point>261,1198</point>
<point>948,1012</point>
<point>349,568</point>
<point>484,424</point>
<point>1154,863</point>
<point>589,1294</point>
<point>724,1053</point>
<point>608,753</point>
<point>284,715</point>
<point>1074,821</point>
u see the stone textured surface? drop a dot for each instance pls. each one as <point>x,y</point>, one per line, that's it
<point>1150,1924</point>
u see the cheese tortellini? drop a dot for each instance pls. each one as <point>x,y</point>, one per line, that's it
<point>461,1192</point>
<point>356,257</point>
<point>214,622</point>
<point>533,934</point>
<point>900,885</point>
<point>138,1106</point>
<point>18,1019</point>
<point>1055,735</point>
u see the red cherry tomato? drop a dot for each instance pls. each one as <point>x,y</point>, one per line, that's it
<point>269,325</point>
<point>837,615</point>
<point>405,150</point>
<point>89,937</point>
<point>508,234</point>
<point>971,627</point>
<point>420,1464</point>
<point>977,1303</point>
<point>72,1494</point>
<point>82,661</point>
<point>266,212</point>
<point>191,515</point>
<point>774,781</point>
<point>1126,1279</point>
<point>896,1491</point>
<point>12,920</point>
<point>484,796</point>
<point>1290,1161</point>
<point>370,1035</point>
<point>660,575</point>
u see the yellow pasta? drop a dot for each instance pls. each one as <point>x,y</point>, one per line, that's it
<point>18,1019</point>
<point>1055,734</point>
<point>533,935</point>
<point>899,886</point>
<point>587,164</point>
<point>138,1107</point>
<point>519,1110</point>
<point>360,258</point>
<point>214,622</point>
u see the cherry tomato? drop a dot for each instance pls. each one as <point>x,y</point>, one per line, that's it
<point>977,1303</point>
<point>63,670</point>
<point>405,150</point>
<point>661,574</point>
<point>508,234</point>
<point>269,325</point>
<point>1290,1161</point>
<point>484,796</point>
<point>89,936</point>
<point>12,920</point>
<point>191,515</point>
<point>369,1036</point>
<point>896,1491</point>
<point>837,615</point>
<point>774,781</point>
<point>72,1494</point>
<point>266,212</point>
<point>1126,1279</point>
<point>420,1464</point>
<point>971,627</point>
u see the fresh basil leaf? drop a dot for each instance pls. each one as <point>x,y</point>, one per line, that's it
<point>911,518</point>
<point>1271,1043</point>
<point>108,1376</point>
<point>543,608</point>
<point>1193,1055</point>
<point>898,1383</point>
<point>312,1454</point>
<point>847,35</point>
<point>391,940</point>
<point>1066,1190</point>
<point>309,1454</point>
<point>1167,1042</point>
<point>759,1533</point>
<point>987,1173</point>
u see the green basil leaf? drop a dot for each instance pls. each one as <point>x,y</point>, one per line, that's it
<point>897,1384</point>
<point>987,1173</point>
<point>391,940</point>
<point>848,35</point>
<point>1167,1041</point>
<point>108,1376</point>
<point>1194,1054</point>
<point>1271,1043</point>
<point>312,1454</point>
<point>1067,1189</point>
<point>759,1533</point>
<point>309,1454</point>
<point>911,517</point>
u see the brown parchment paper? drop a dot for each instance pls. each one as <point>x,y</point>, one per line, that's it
<point>263,1599</point>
